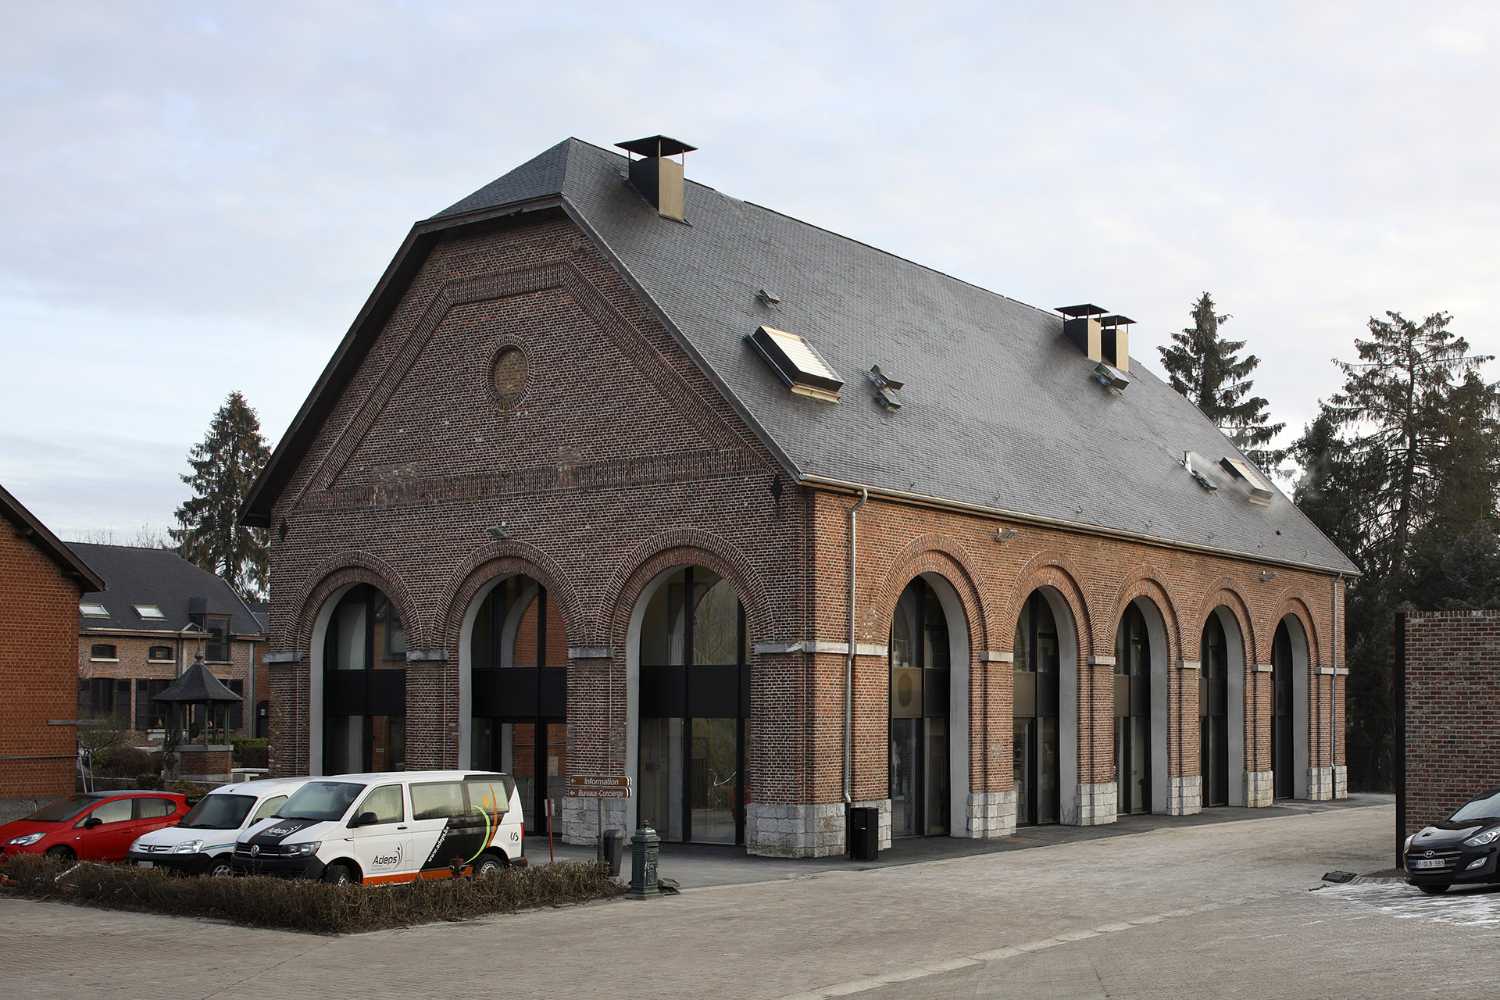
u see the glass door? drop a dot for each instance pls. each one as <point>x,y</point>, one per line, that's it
<point>1213,709</point>
<point>918,657</point>
<point>1133,713</point>
<point>1035,701</point>
<point>1281,730</point>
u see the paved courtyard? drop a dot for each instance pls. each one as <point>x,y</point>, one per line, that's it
<point>1191,910</point>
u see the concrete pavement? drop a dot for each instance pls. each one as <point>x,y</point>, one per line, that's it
<point>1195,910</point>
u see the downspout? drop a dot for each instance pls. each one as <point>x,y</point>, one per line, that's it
<point>1333,688</point>
<point>864,495</point>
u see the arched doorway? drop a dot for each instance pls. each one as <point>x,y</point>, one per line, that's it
<point>1140,703</point>
<point>694,708</point>
<point>922,688</point>
<point>1037,696</point>
<point>1213,712</point>
<point>360,692</point>
<point>514,657</point>
<point>1289,659</point>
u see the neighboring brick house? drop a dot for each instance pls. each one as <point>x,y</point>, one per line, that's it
<point>40,583</point>
<point>157,613</point>
<point>581,492</point>
<point>1449,688</point>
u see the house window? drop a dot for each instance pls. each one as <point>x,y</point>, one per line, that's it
<point>103,651</point>
<point>216,649</point>
<point>160,654</point>
<point>237,709</point>
<point>150,714</point>
<point>104,699</point>
<point>150,612</point>
<point>92,609</point>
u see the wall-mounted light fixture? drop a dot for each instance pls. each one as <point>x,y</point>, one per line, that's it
<point>1266,575</point>
<point>499,532</point>
<point>1006,534</point>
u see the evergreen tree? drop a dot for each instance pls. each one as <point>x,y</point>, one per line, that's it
<point>225,464</point>
<point>1210,372</point>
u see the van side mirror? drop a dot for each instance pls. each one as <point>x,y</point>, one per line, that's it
<point>92,822</point>
<point>365,819</point>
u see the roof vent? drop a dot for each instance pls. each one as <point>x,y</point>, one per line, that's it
<point>1114,340</point>
<point>1111,377</point>
<point>797,363</point>
<point>1197,468</point>
<point>1083,328</point>
<point>1260,490</point>
<point>887,389</point>
<point>656,177</point>
<point>766,298</point>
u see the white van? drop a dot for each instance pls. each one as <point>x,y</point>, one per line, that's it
<point>385,828</point>
<point>203,843</point>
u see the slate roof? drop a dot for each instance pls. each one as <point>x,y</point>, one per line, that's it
<point>197,686</point>
<point>161,577</point>
<point>29,527</point>
<point>1000,411</point>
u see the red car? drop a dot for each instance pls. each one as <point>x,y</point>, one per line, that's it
<point>96,827</point>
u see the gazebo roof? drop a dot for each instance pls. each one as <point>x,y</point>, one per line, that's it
<point>197,685</point>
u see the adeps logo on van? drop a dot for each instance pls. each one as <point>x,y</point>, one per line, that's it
<point>388,860</point>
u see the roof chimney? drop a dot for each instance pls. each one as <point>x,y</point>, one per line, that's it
<point>656,177</point>
<point>1115,341</point>
<point>1082,327</point>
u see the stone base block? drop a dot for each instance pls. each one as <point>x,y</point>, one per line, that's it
<point>884,805</point>
<point>1260,788</point>
<point>1097,804</point>
<point>1185,796</point>
<point>580,819</point>
<point>795,830</point>
<point>1340,781</point>
<point>991,815</point>
<point>1320,782</point>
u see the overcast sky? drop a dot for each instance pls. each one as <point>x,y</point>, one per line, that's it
<point>198,198</point>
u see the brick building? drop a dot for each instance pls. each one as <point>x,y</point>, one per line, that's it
<point>1449,681</point>
<point>40,583</point>
<point>158,612</point>
<point>607,453</point>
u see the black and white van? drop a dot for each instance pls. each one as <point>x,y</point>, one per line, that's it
<point>379,829</point>
<point>203,843</point>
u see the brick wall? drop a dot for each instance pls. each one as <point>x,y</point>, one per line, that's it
<point>38,673</point>
<point>1452,711</point>
<point>133,662</point>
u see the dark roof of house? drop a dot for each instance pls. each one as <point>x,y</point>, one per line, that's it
<point>145,576</point>
<point>1001,412</point>
<point>197,685</point>
<point>30,528</point>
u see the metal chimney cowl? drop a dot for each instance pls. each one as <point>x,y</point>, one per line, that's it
<point>658,178</point>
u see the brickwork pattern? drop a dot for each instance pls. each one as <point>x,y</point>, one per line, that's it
<point>1452,711</point>
<point>38,673</point>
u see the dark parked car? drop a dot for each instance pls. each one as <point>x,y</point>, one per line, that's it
<point>1461,850</point>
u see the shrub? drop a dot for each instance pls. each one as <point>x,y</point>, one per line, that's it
<point>126,761</point>
<point>302,905</point>
<point>251,752</point>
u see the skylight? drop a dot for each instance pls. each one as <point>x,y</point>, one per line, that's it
<point>92,609</point>
<point>1260,490</point>
<point>798,364</point>
<point>150,612</point>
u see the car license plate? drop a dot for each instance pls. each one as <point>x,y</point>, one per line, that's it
<point>1418,863</point>
<point>145,864</point>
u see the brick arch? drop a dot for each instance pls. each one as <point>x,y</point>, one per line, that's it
<point>1046,570</point>
<point>1145,581</point>
<point>351,568</point>
<point>687,547</point>
<point>945,557</point>
<point>1223,593</point>
<point>497,560</point>
<point>1290,602</point>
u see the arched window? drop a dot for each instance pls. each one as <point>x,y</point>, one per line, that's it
<point>919,665</point>
<point>364,685</point>
<point>1037,762</point>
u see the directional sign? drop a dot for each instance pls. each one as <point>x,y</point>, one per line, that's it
<point>599,786</point>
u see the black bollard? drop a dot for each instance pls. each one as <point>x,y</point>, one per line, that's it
<point>644,852</point>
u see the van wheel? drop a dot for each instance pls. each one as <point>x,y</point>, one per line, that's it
<point>338,873</point>
<point>62,854</point>
<point>489,866</point>
<point>1433,890</point>
<point>220,868</point>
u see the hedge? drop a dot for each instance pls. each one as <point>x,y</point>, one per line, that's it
<point>301,905</point>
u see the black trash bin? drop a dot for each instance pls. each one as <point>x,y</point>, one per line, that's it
<point>864,833</point>
<point>612,850</point>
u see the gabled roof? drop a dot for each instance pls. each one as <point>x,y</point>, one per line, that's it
<point>1001,412</point>
<point>34,531</point>
<point>146,576</point>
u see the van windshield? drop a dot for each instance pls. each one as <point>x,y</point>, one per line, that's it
<point>323,800</point>
<point>218,812</point>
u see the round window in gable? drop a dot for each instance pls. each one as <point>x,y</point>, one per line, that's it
<point>508,376</point>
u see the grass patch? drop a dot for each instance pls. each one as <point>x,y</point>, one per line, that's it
<point>313,907</point>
